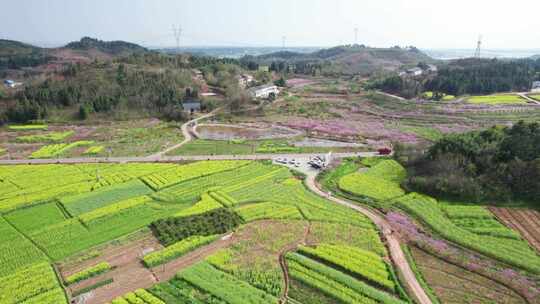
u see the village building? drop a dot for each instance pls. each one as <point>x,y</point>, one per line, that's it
<point>244,80</point>
<point>415,71</point>
<point>264,91</point>
<point>191,106</point>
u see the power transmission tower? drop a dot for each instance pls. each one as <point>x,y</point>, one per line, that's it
<point>177,32</point>
<point>478,51</point>
<point>355,35</point>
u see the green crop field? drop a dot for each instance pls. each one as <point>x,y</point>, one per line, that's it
<point>497,99</point>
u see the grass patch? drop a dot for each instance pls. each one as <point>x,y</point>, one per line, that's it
<point>497,99</point>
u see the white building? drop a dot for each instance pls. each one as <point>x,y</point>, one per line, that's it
<point>245,80</point>
<point>535,87</point>
<point>264,91</point>
<point>415,72</point>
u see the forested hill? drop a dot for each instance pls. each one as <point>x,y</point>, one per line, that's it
<point>11,48</point>
<point>109,47</point>
<point>15,54</point>
<point>485,76</point>
<point>352,59</point>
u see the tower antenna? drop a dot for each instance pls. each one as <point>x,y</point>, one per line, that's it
<point>283,40</point>
<point>478,51</point>
<point>177,32</point>
<point>355,35</point>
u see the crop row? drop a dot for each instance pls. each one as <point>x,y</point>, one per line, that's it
<point>182,173</point>
<point>54,150</point>
<point>513,252</point>
<point>223,198</point>
<point>224,286</point>
<point>176,250</point>
<point>88,201</point>
<point>268,210</point>
<point>364,185</point>
<point>462,211</point>
<point>112,209</point>
<point>28,127</point>
<point>16,252</point>
<point>140,296</point>
<point>88,273</point>
<point>388,170</point>
<point>355,261</point>
<point>207,203</point>
<point>335,283</point>
<point>31,282</point>
<point>192,189</point>
<point>49,137</point>
<point>95,150</point>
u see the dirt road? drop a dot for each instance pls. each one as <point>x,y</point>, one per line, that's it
<point>186,133</point>
<point>393,242</point>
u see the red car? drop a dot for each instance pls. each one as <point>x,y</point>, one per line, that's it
<point>384,151</point>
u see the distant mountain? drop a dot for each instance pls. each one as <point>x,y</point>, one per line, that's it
<point>108,47</point>
<point>535,57</point>
<point>13,48</point>
<point>353,59</point>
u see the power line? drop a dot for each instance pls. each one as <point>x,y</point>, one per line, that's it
<point>177,32</point>
<point>478,51</point>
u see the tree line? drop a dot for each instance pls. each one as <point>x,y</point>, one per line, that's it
<point>466,77</point>
<point>498,164</point>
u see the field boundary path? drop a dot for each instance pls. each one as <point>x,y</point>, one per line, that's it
<point>394,246</point>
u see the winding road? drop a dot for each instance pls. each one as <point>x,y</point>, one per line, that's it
<point>393,241</point>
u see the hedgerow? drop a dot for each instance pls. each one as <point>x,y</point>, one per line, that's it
<point>172,230</point>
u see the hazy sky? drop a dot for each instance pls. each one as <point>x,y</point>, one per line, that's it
<point>423,23</point>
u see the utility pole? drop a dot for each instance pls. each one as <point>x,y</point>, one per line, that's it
<point>478,51</point>
<point>177,32</point>
<point>355,35</point>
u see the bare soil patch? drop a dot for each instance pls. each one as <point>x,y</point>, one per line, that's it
<point>244,131</point>
<point>525,221</point>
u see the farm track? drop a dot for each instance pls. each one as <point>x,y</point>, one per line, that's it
<point>526,222</point>
<point>283,263</point>
<point>392,240</point>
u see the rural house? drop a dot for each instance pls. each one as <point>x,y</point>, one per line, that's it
<point>264,91</point>
<point>191,106</point>
<point>245,80</point>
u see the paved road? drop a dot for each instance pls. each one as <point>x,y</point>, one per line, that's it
<point>530,100</point>
<point>171,159</point>
<point>393,241</point>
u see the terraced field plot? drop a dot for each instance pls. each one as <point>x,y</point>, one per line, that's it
<point>497,99</point>
<point>452,284</point>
